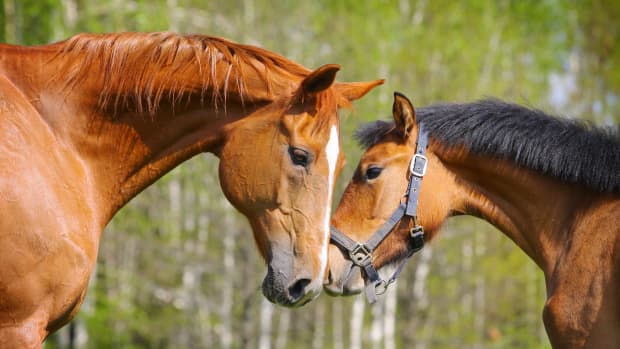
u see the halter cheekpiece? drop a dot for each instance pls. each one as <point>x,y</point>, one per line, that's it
<point>361,253</point>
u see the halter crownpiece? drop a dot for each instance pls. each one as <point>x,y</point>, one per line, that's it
<point>361,253</point>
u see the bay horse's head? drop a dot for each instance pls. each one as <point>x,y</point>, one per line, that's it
<point>377,197</point>
<point>278,167</point>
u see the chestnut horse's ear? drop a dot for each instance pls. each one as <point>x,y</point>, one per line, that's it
<point>320,80</point>
<point>404,113</point>
<point>356,90</point>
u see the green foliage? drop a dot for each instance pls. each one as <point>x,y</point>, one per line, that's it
<point>2,22</point>
<point>163,279</point>
<point>31,26</point>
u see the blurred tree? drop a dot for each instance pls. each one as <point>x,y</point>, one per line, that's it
<point>2,22</point>
<point>178,268</point>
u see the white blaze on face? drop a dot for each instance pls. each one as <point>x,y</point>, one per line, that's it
<point>331,153</point>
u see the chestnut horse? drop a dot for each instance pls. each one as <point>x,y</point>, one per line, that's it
<point>88,123</point>
<point>551,185</point>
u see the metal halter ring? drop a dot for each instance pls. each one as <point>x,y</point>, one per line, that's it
<point>381,287</point>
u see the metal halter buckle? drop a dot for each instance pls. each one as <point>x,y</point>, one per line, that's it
<point>416,231</point>
<point>412,167</point>
<point>360,255</point>
<point>417,235</point>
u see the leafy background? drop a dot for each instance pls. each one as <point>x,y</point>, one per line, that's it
<point>177,267</point>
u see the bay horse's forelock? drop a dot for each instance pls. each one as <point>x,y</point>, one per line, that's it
<point>570,230</point>
<point>87,124</point>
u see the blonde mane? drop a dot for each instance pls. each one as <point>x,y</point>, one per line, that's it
<point>137,70</point>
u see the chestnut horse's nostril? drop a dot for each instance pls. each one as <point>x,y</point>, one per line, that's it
<point>297,289</point>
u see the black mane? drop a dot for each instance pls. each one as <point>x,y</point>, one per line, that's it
<point>572,151</point>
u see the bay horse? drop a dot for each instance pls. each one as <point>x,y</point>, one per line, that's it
<point>88,123</point>
<point>551,185</point>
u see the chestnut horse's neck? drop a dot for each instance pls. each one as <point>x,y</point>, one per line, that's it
<point>533,210</point>
<point>133,151</point>
<point>130,107</point>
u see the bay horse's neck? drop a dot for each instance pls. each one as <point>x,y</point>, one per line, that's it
<point>533,210</point>
<point>124,147</point>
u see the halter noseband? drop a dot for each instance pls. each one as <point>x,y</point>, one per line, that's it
<point>361,253</point>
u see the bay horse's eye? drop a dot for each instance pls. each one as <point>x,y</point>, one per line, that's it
<point>299,156</point>
<point>373,172</point>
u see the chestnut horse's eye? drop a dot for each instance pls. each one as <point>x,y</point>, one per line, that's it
<point>373,172</point>
<point>299,156</point>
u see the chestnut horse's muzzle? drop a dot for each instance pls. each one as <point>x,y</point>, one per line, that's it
<point>284,287</point>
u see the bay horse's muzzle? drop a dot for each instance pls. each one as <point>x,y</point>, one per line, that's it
<point>351,283</point>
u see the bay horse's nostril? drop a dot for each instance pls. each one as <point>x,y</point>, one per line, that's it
<point>297,289</point>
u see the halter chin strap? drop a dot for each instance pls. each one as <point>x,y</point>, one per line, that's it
<point>361,253</point>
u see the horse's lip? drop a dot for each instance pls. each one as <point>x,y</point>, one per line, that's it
<point>340,290</point>
<point>286,300</point>
<point>330,286</point>
<point>342,286</point>
<point>333,290</point>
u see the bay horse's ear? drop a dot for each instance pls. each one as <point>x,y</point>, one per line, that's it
<point>404,113</point>
<point>320,80</point>
<point>356,90</point>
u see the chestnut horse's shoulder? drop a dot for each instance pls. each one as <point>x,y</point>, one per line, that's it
<point>12,100</point>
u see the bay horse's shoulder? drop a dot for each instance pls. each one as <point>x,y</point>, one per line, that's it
<point>606,212</point>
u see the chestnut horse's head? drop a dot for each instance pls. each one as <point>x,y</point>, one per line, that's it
<point>374,194</point>
<point>278,167</point>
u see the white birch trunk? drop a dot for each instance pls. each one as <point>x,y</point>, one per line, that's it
<point>190,291</point>
<point>376,328</point>
<point>420,294</point>
<point>202,234</point>
<point>480,290</point>
<point>357,322</point>
<point>70,16</point>
<point>227,285</point>
<point>174,192</point>
<point>318,339</point>
<point>175,227</point>
<point>173,15</point>
<point>418,15</point>
<point>266,315</point>
<point>389,317</point>
<point>338,330</point>
<point>421,300</point>
<point>283,328</point>
<point>466,289</point>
